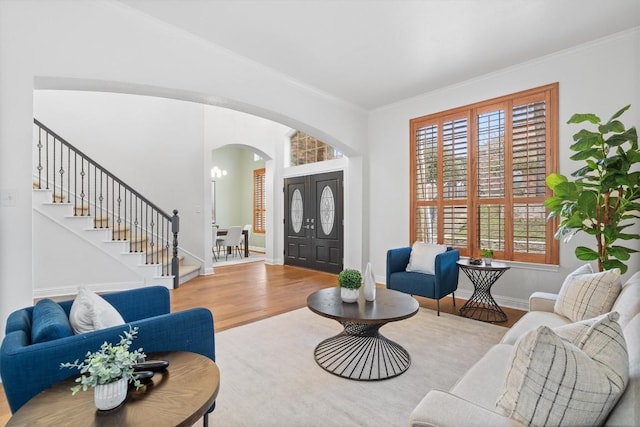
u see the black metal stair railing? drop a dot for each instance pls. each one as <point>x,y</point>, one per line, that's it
<point>95,192</point>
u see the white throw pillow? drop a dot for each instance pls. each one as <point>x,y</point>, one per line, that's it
<point>90,312</point>
<point>553,382</point>
<point>583,296</point>
<point>423,257</point>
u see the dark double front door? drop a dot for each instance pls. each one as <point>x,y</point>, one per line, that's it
<point>313,221</point>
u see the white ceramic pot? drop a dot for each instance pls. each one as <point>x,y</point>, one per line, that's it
<point>109,396</point>
<point>349,295</point>
<point>487,261</point>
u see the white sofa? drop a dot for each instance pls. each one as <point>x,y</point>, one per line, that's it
<point>472,401</point>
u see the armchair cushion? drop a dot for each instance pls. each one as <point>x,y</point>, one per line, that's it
<point>90,312</point>
<point>49,322</point>
<point>423,257</point>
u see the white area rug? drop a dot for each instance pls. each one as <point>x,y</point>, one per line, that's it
<point>269,376</point>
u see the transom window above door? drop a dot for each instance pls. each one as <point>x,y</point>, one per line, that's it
<point>305,149</point>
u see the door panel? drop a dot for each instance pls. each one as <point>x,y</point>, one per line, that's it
<point>313,221</point>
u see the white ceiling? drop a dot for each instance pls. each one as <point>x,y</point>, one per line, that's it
<point>376,52</point>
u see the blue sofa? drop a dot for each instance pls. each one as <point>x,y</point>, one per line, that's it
<point>434,286</point>
<point>28,368</point>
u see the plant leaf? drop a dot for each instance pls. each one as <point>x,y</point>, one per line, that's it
<point>579,118</point>
<point>585,139</point>
<point>586,254</point>
<point>612,126</point>
<point>619,113</point>
<point>614,263</point>
<point>585,154</point>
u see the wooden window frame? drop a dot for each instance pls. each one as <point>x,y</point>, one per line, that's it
<point>259,207</point>
<point>548,94</point>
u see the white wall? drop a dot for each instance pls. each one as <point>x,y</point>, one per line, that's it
<point>599,77</point>
<point>153,144</point>
<point>104,46</point>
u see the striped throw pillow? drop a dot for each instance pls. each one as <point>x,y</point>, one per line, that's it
<point>584,296</point>
<point>552,382</point>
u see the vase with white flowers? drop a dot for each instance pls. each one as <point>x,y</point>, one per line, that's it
<point>108,371</point>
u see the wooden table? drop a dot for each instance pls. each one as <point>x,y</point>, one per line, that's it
<point>179,396</point>
<point>245,233</point>
<point>361,352</point>
<point>481,305</point>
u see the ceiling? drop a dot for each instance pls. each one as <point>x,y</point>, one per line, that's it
<point>371,53</point>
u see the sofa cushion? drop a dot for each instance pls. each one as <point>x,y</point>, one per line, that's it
<point>90,312</point>
<point>552,382</point>
<point>588,295</point>
<point>530,321</point>
<point>482,383</point>
<point>423,257</point>
<point>49,322</point>
<point>628,302</point>
<point>627,410</point>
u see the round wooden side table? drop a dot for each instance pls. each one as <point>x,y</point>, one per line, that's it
<point>179,396</point>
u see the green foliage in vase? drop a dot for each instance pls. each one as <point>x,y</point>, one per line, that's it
<point>603,200</point>
<point>109,364</point>
<point>351,279</point>
<point>486,253</point>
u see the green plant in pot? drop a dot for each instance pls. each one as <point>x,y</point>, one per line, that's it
<point>604,198</point>
<point>350,281</point>
<point>108,371</point>
<point>487,254</point>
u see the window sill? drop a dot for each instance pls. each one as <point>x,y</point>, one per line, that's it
<point>528,265</point>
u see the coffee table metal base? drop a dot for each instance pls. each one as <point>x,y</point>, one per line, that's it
<point>361,353</point>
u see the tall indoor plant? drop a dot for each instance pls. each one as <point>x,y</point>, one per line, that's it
<point>604,198</point>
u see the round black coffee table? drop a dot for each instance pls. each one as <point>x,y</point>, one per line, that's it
<point>361,352</point>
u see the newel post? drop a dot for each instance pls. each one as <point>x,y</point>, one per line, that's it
<point>175,269</point>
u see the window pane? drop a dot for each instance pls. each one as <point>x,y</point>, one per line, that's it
<point>455,226</point>
<point>529,228</point>
<point>427,224</point>
<point>491,154</point>
<point>529,141</point>
<point>305,149</point>
<point>426,163</point>
<point>491,226</point>
<point>454,140</point>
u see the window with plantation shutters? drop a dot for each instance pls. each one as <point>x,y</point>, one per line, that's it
<point>478,176</point>
<point>258,201</point>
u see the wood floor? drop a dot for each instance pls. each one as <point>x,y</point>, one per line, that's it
<point>244,293</point>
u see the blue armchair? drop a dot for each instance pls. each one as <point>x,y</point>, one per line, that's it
<point>27,368</point>
<point>434,286</point>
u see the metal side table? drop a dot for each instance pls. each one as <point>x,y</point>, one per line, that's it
<point>481,305</point>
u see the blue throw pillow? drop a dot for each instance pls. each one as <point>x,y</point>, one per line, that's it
<point>49,322</point>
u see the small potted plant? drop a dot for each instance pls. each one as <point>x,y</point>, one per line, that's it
<point>109,370</point>
<point>350,281</point>
<point>487,255</point>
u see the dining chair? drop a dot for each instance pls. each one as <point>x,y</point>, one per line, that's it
<point>247,227</point>
<point>214,241</point>
<point>230,241</point>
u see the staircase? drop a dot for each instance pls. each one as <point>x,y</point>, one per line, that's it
<point>83,198</point>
